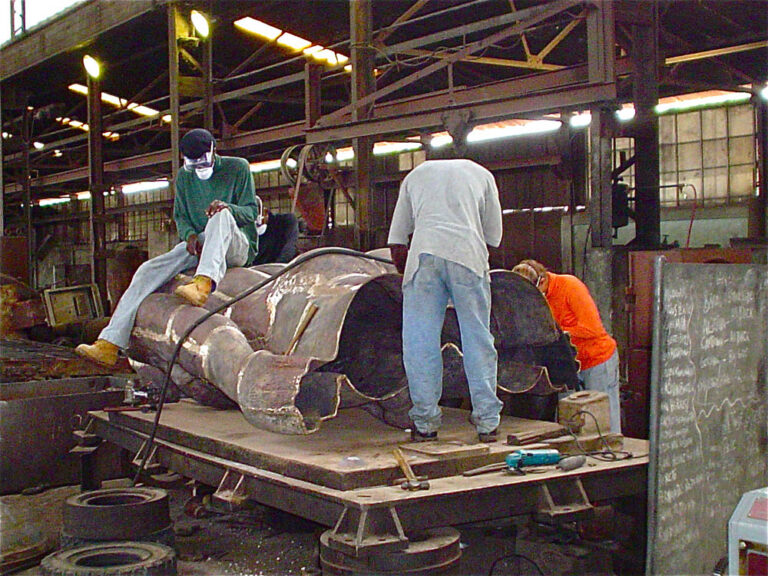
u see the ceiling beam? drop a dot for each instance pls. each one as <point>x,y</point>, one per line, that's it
<point>82,24</point>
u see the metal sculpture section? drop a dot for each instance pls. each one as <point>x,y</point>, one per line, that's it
<point>326,335</point>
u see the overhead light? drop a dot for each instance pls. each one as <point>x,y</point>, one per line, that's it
<point>200,22</point>
<point>7,135</point>
<point>118,102</point>
<point>265,166</point>
<point>53,201</point>
<point>258,28</point>
<point>493,132</point>
<point>58,153</point>
<point>764,92</point>
<point>293,42</point>
<point>38,145</point>
<point>679,105</point>
<point>92,66</point>
<point>145,186</point>
<point>85,128</point>
<point>626,113</point>
<point>580,120</point>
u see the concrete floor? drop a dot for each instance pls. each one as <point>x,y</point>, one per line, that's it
<point>265,542</point>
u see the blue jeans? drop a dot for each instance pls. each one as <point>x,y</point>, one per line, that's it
<point>605,378</point>
<point>223,244</point>
<point>425,299</point>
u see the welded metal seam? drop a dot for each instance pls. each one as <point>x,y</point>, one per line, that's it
<point>205,347</point>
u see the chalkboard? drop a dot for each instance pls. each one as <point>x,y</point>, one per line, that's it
<point>709,409</point>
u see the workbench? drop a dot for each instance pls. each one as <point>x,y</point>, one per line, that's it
<point>345,475</point>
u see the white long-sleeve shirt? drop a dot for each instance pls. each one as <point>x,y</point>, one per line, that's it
<point>452,209</point>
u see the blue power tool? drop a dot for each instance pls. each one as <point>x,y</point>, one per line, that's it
<point>521,458</point>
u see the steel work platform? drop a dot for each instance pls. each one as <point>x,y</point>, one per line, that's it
<point>345,475</point>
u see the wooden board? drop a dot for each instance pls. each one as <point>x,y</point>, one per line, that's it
<point>353,450</point>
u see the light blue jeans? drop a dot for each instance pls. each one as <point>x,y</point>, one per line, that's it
<point>605,378</point>
<point>425,299</point>
<point>224,244</point>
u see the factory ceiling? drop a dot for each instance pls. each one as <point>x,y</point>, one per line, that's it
<point>426,53</point>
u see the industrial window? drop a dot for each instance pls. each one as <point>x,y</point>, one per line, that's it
<point>704,155</point>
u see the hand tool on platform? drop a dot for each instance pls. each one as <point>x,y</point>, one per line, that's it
<point>412,482</point>
<point>520,459</point>
<point>516,460</point>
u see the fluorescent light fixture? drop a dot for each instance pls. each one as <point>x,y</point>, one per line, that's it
<point>142,110</point>
<point>85,128</point>
<point>581,120</point>
<point>293,42</point>
<point>764,92</point>
<point>85,195</point>
<point>167,118</point>
<point>675,105</point>
<point>325,55</point>
<point>440,140</point>
<point>626,113</point>
<point>343,154</point>
<point>58,153</point>
<point>481,134</point>
<point>258,28</point>
<point>266,166</point>
<point>53,201</point>
<point>92,66</point>
<point>117,102</point>
<point>145,186</point>
<point>38,145</point>
<point>384,148</point>
<point>200,22</point>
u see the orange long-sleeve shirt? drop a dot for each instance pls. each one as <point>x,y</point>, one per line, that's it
<point>576,313</point>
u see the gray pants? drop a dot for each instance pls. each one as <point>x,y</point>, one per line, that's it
<point>224,244</point>
<point>605,378</point>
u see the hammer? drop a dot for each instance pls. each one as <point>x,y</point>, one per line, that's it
<point>411,483</point>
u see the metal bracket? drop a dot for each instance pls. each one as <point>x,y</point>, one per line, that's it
<point>362,531</point>
<point>564,501</point>
<point>231,490</point>
<point>152,464</point>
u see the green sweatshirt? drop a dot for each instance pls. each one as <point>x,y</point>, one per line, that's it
<point>232,183</point>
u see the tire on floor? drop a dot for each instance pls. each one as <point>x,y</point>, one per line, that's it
<point>117,514</point>
<point>112,559</point>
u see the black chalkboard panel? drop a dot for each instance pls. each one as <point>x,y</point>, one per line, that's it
<point>709,409</point>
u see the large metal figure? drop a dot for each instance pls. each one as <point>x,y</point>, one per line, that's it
<point>327,335</point>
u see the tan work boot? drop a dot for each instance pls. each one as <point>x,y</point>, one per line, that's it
<point>102,352</point>
<point>197,291</point>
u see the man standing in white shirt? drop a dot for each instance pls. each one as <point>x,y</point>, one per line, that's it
<point>451,208</point>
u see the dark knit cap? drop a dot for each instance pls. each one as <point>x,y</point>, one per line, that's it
<point>196,142</point>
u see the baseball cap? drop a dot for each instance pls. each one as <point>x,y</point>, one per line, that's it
<point>197,148</point>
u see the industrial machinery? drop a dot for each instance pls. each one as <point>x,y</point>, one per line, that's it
<point>748,535</point>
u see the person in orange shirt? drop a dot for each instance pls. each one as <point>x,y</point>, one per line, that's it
<point>576,312</point>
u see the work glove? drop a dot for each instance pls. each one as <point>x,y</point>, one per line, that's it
<point>194,247</point>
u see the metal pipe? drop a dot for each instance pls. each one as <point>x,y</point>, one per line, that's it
<point>653,456</point>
